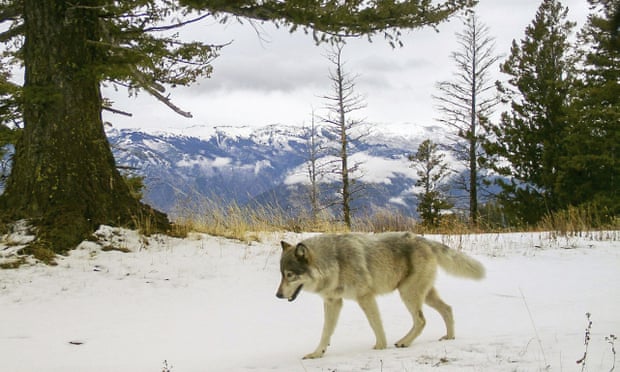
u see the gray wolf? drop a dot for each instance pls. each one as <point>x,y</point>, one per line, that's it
<point>362,266</point>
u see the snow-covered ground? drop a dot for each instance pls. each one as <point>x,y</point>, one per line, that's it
<point>208,304</point>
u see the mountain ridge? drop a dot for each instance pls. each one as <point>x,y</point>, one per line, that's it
<point>264,164</point>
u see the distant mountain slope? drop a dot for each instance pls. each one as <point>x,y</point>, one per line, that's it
<point>264,165</point>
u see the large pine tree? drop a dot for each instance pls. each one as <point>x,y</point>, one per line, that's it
<point>530,136</point>
<point>590,170</point>
<point>64,178</point>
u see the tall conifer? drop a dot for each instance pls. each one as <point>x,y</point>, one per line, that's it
<point>590,170</point>
<point>530,136</point>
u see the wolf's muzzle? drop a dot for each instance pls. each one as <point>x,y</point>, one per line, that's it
<point>293,296</point>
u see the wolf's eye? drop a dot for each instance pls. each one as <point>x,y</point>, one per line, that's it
<point>290,275</point>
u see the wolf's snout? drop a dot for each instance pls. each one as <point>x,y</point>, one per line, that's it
<point>279,294</point>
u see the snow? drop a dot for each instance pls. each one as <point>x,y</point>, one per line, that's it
<point>261,164</point>
<point>157,145</point>
<point>205,303</point>
<point>204,162</point>
<point>382,169</point>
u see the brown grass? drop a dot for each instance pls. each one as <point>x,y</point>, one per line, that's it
<point>244,223</point>
<point>577,220</point>
<point>232,220</point>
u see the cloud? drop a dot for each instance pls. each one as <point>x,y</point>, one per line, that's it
<point>271,76</point>
<point>263,73</point>
<point>273,60</point>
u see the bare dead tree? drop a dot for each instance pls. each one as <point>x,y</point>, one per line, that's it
<point>341,104</point>
<point>467,101</point>
<point>315,171</point>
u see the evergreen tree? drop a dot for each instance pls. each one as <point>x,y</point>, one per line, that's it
<point>9,96</point>
<point>590,170</point>
<point>530,136</point>
<point>467,101</point>
<point>432,172</point>
<point>64,178</point>
<point>10,120</point>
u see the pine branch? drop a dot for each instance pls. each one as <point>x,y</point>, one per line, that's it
<point>176,25</point>
<point>155,89</point>
<point>11,33</point>
<point>116,111</point>
<point>334,19</point>
<point>166,101</point>
<point>10,13</point>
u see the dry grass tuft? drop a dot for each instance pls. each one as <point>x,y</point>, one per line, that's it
<point>579,221</point>
<point>232,221</point>
<point>245,223</point>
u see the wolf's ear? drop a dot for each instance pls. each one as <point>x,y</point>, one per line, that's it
<point>302,253</point>
<point>285,246</point>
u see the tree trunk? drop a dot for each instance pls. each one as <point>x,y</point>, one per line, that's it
<point>473,184</point>
<point>346,193</point>
<point>64,176</point>
<point>312,170</point>
<point>473,142</point>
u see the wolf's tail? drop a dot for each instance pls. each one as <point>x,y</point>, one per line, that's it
<point>457,263</point>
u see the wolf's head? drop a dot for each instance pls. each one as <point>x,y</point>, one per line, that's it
<point>295,269</point>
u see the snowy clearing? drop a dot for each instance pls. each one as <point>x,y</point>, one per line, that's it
<point>208,304</point>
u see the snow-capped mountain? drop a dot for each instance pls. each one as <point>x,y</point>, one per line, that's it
<point>267,164</point>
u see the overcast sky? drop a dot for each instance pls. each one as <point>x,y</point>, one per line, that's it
<point>279,77</point>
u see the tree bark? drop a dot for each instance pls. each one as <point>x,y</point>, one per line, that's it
<point>64,176</point>
<point>344,141</point>
<point>473,139</point>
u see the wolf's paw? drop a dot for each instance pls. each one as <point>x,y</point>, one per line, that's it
<point>315,354</point>
<point>447,337</point>
<point>380,345</point>
<point>402,343</point>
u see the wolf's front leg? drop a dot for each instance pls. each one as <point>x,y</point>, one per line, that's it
<point>331,308</point>
<point>369,305</point>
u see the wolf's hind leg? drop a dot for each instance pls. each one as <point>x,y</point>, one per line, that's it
<point>413,294</point>
<point>369,305</point>
<point>433,300</point>
<point>331,308</point>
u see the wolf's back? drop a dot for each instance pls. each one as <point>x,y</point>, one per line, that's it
<point>457,263</point>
